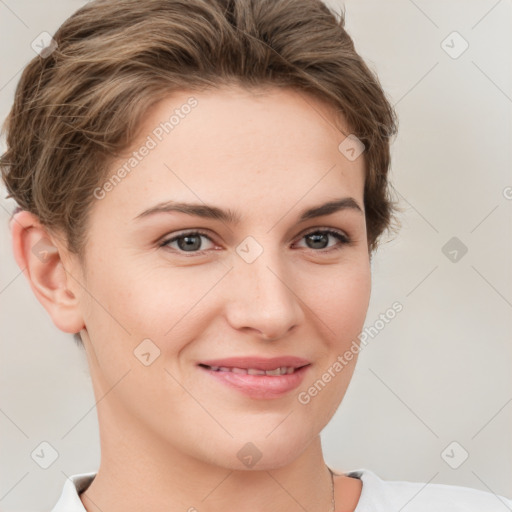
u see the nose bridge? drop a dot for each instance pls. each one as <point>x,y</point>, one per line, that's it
<point>263,295</point>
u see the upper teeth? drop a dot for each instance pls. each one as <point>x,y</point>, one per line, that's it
<point>253,371</point>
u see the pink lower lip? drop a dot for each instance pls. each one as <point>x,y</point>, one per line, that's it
<point>260,386</point>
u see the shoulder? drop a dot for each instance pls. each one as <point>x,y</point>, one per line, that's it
<point>388,495</point>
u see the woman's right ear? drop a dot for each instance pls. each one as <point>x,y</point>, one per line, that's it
<point>43,260</point>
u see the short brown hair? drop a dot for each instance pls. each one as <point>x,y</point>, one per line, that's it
<point>78,106</point>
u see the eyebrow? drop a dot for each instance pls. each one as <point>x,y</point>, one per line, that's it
<point>231,217</point>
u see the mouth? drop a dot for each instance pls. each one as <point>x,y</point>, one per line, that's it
<point>280,370</point>
<point>256,377</point>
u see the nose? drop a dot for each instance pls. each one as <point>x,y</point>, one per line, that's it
<point>263,298</point>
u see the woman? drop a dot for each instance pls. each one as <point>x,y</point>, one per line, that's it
<point>201,187</point>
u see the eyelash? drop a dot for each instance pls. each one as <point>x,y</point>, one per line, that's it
<point>341,237</point>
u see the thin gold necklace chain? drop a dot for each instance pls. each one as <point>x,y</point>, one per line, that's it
<point>332,487</point>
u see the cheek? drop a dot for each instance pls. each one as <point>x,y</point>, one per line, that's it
<point>133,302</point>
<point>340,312</point>
<point>341,298</point>
<point>169,303</point>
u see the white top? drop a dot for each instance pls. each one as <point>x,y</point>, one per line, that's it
<point>377,495</point>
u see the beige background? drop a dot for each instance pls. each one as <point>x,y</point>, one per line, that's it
<point>441,370</point>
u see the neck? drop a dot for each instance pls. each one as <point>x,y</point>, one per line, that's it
<point>137,472</point>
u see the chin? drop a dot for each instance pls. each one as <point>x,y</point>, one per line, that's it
<point>259,452</point>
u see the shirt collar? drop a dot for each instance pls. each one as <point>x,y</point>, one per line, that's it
<point>69,500</point>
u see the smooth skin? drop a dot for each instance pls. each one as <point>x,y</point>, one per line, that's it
<point>170,432</point>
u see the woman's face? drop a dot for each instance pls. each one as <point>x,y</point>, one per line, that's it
<point>159,301</point>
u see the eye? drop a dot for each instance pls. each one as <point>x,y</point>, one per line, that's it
<point>190,241</point>
<point>319,238</point>
<point>187,242</point>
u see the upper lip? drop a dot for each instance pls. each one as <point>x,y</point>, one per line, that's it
<point>258,363</point>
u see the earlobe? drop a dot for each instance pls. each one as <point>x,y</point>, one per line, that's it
<point>41,260</point>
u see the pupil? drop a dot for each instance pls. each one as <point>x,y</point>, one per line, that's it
<point>316,237</point>
<point>185,242</point>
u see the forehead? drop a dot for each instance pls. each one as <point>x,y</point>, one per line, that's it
<point>235,146</point>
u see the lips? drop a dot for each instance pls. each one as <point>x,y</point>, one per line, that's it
<point>257,377</point>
